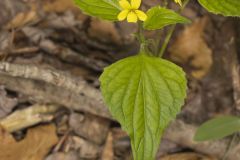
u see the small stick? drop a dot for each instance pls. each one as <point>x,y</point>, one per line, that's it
<point>51,76</point>
<point>28,117</point>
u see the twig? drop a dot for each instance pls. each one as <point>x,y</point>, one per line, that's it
<point>20,51</point>
<point>41,92</point>
<point>24,50</point>
<point>170,33</point>
<point>28,117</point>
<point>51,76</point>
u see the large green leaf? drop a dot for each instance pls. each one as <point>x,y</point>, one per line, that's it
<point>105,9</point>
<point>144,94</point>
<point>224,7</point>
<point>218,128</point>
<point>159,17</point>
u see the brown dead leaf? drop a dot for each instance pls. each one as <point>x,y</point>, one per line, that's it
<point>108,148</point>
<point>58,5</point>
<point>187,156</point>
<point>104,31</point>
<point>34,146</point>
<point>23,18</point>
<point>190,47</point>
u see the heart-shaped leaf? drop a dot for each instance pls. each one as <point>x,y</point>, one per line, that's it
<point>105,9</point>
<point>144,94</point>
<point>218,128</point>
<point>159,17</point>
<point>224,7</point>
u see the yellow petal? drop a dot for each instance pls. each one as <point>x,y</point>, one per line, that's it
<point>179,2</point>
<point>135,4</point>
<point>124,4</point>
<point>141,15</point>
<point>132,17</point>
<point>123,15</point>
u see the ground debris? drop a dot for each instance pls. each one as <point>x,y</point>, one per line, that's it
<point>6,103</point>
<point>35,146</point>
<point>52,54</point>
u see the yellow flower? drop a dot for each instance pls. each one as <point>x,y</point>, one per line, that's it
<point>179,2</point>
<point>131,11</point>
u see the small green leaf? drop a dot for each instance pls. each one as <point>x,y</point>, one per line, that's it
<point>159,17</point>
<point>224,7</point>
<point>144,94</point>
<point>105,9</point>
<point>218,128</point>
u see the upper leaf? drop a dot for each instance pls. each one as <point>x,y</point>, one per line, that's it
<point>224,7</point>
<point>159,17</point>
<point>218,128</point>
<point>144,94</point>
<point>105,9</point>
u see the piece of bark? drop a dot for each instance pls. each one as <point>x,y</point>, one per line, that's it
<point>6,103</point>
<point>236,79</point>
<point>229,53</point>
<point>46,93</point>
<point>77,86</point>
<point>27,117</point>
<point>38,37</point>
<point>51,76</point>
<point>92,128</point>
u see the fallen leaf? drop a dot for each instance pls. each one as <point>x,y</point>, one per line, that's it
<point>34,146</point>
<point>187,156</point>
<point>104,31</point>
<point>108,148</point>
<point>6,103</point>
<point>23,18</point>
<point>190,47</point>
<point>58,5</point>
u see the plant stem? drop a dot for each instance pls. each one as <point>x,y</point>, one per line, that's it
<point>170,32</point>
<point>165,3</point>
<point>166,41</point>
<point>229,146</point>
<point>140,34</point>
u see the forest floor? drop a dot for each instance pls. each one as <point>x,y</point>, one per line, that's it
<point>51,55</point>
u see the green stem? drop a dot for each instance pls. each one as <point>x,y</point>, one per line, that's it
<point>140,34</point>
<point>166,41</point>
<point>158,41</point>
<point>170,32</point>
